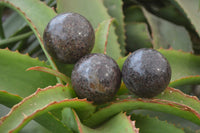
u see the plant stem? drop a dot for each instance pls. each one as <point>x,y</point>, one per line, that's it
<point>15,38</point>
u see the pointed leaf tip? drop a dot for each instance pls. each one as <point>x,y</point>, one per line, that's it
<point>52,72</point>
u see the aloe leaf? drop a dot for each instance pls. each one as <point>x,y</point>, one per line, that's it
<point>96,14</point>
<point>166,34</point>
<point>171,101</point>
<point>14,77</point>
<point>134,14</point>
<point>9,99</point>
<point>177,96</point>
<point>31,127</point>
<point>185,67</point>
<point>115,10</point>
<point>45,120</point>
<point>52,123</point>
<point>137,36</point>
<point>10,28</point>
<point>42,101</point>
<point>34,127</point>
<point>191,10</point>
<point>137,33</point>
<point>171,13</point>
<point>31,11</point>
<point>104,44</point>
<point>154,125</point>
<point>117,124</point>
<point>68,118</point>
<point>52,72</point>
<point>171,119</point>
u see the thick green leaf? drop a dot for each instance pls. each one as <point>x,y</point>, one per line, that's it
<point>137,36</point>
<point>46,120</point>
<point>175,95</point>
<point>68,118</point>
<point>96,14</point>
<point>105,41</point>
<point>185,67</point>
<point>166,34</point>
<point>93,10</point>
<point>9,27</point>
<point>42,101</point>
<point>31,11</point>
<point>27,9</point>
<point>9,99</point>
<point>191,10</point>
<point>34,127</point>
<point>14,77</point>
<point>154,125</point>
<point>115,10</point>
<point>171,13</point>
<point>170,101</point>
<point>52,123</point>
<point>117,124</point>
<point>172,119</point>
<point>31,127</point>
<point>134,14</point>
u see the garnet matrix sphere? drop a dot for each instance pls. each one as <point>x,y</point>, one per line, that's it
<point>68,37</point>
<point>146,72</point>
<point>96,77</point>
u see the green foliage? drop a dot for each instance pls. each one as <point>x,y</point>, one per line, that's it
<point>103,40</point>
<point>146,124</point>
<point>166,34</point>
<point>14,77</point>
<point>121,26</point>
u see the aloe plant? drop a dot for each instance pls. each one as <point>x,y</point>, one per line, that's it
<point>36,94</point>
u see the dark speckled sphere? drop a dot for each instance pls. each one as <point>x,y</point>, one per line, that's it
<point>146,73</point>
<point>68,37</point>
<point>96,77</point>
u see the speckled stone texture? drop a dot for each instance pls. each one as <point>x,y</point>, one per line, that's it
<point>68,37</point>
<point>146,72</point>
<point>96,77</point>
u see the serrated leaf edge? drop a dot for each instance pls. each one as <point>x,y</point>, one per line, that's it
<point>28,97</point>
<point>124,37</point>
<point>183,94</point>
<point>136,130</point>
<point>46,107</point>
<point>176,105</point>
<point>183,78</point>
<point>106,42</point>
<point>27,118</point>
<point>36,32</point>
<point>3,91</point>
<point>156,118</point>
<point>187,16</point>
<point>26,54</point>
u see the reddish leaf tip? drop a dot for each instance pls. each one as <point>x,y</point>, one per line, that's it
<point>33,68</point>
